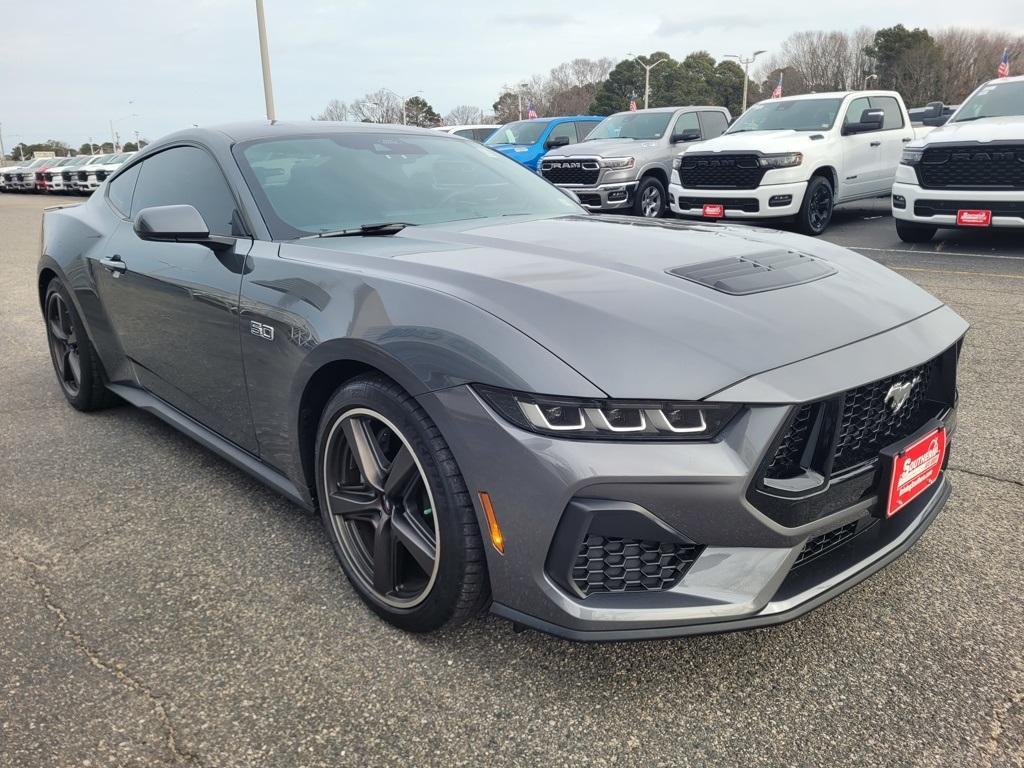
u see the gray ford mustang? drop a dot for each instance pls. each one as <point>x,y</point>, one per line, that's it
<point>602,428</point>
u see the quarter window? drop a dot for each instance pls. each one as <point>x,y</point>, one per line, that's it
<point>187,176</point>
<point>121,189</point>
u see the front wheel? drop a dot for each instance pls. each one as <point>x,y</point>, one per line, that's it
<point>816,209</point>
<point>649,199</point>
<point>914,233</point>
<point>397,510</point>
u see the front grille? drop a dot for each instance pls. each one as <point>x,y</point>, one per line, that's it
<point>101,175</point>
<point>950,207</point>
<point>721,171</point>
<point>579,172</point>
<point>48,176</point>
<point>66,176</point>
<point>609,564</point>
<point>82,175</point>
<point>991,166</point>
<point>862,421</point>
<point>826,542</point>
<point>746,204</point>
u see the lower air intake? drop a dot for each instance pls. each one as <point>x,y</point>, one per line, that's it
<point>607,564</point>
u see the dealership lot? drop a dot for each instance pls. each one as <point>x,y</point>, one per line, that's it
<point>160,607</point>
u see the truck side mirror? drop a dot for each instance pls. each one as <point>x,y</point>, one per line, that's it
<point>934,114</point>
<point>870,120</point>
<point>690,134</point>
<point>556,141</point>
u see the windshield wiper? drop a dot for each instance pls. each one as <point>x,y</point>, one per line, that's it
<point>364,230</point>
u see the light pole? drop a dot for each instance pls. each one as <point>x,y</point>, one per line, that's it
<point>647,75</point>
<point>268,87</point>
<point>868,79</point>
<point>746,68</point>
<point>114,138</point>
<point>404,101</point>
<point>519,92</point>
<point>1,143</point>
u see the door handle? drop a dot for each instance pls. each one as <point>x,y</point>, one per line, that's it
<point>114,264</point>
<point>876,143</point>
<point>907,139</point>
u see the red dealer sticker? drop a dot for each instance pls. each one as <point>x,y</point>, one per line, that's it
<point>914,469</point>
<point>973,218</point>
<point>713,211</point>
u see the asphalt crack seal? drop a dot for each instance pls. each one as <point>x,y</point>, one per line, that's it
<point>987,476</point>
<point>135,686</point>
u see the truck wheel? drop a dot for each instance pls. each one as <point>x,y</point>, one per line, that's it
<point>816,210</point>
<point>914,233</point>
<point>649,199</point>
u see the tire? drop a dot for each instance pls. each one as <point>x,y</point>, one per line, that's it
<point>364,522</point>
<point>914,233</point>
<point>78,367</point>
<point>649,198</point>
<point>816,209</point>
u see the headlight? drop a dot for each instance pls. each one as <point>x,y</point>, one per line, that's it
<point>618,163</point>
<point>785,160</point>
<point>911,156</point>
<point>677,161</point>
<point>609,419</point>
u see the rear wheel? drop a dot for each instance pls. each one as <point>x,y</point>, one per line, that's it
<point>649,199</point>
<point>74,358</point>
<point>914,233</point>
<point>397,510</point>
<point>816,209</point>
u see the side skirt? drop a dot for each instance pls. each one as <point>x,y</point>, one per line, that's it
<point>211,440</point>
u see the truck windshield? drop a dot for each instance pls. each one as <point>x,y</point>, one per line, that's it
<point>632,125</point>
<point>308,185</point>
<point>795,115</point>
<point>523,132</point>
<point>993,100</point>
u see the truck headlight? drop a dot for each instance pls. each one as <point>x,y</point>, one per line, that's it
<point>677,161</point>
<point>618,163</point>
<point>911,156</point>
<point>784,160</point>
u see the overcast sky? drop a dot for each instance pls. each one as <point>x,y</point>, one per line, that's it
<point>69,67</point>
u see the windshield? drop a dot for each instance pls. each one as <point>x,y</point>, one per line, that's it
<point>338,181</point>
<point>795,115</point>
<point>523,132</point>
<point>993,100</point>
<point>99,160</point>
<point>632,125</point>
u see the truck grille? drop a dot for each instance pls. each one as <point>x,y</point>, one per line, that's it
<point>66,176</point>
<point>609,564</point>
<point>976,166</point>
<point>82,175</point>
<point>580,172</point>
<point>732,171</point>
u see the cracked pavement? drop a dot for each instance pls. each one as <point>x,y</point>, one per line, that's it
<point>159,607</point>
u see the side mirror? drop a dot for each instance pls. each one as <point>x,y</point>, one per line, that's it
<point>932,110</point>
<point>690,134</point>
<point>870,120</point>
<point>556,141</point>
<point>177,224</point>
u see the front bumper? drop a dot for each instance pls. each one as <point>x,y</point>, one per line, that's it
<point>937,207</point>
<point>606,197</point>
<point>749,570</point>
<point>739,203</point>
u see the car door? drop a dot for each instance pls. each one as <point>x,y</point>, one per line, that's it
<point>861,156</point>
<point>893,136</point>
<point>174,306</point>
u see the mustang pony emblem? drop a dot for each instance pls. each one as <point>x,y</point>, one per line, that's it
<point>898,393</point>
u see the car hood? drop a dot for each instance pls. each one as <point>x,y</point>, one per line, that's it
<point>596,291</point>
<point>603,148</point>
<point>987,129</point>
<point>764,141</point>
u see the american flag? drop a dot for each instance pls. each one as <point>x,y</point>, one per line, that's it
<point>777,91</point>
<point>632,103</point>
<point>1004,65</point>
<point>531,112</point>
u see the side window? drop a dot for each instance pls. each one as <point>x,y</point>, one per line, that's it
<point>466,133</point>
<point>714,124</point>
<point>857,106</point>
<point>121,189</point>
<point>893,114</point>
<point>583,129</point>
<point>187,176</point>
<point>483,134</point>
<point>687,121</point>
<point>563,129</point>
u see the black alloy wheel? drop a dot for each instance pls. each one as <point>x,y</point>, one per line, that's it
<point>816,210</point>
<point>60,331</point>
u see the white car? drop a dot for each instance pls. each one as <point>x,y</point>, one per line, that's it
<point>96,173</point>
<point>53,178</point>
<point>970,171</point>
<point>795,157</point>
<point>24,180</point>
<point>475,132</point>
<point>79,174</point>
<point>7,176</point>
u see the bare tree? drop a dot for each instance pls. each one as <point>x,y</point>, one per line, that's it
<point>335,110</point>
<point>464,114</point>
<point>970,58</point>
<point>380,106</point>
<point>826,61</point>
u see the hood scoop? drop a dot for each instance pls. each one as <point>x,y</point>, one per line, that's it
<point>757,272</point>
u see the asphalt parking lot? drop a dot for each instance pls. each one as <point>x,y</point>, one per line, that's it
<point>159,607</point>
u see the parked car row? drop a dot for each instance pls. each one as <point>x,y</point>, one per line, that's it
<point>78,175</point>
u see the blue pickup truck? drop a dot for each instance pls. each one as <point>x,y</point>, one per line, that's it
<point>526,141</point>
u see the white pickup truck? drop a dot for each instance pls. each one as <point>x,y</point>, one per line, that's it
<point>969,172</point>
<point>796,158</point>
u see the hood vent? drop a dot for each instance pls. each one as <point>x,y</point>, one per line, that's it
<point>757,272</point>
